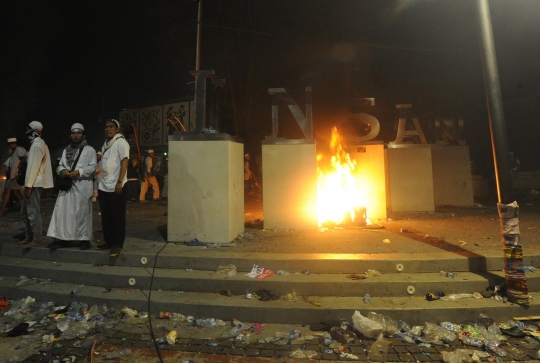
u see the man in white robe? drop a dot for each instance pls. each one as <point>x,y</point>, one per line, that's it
<point>71,222</point>
<point>38,176</point>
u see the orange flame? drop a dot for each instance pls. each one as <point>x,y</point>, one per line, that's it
<point>338,190</point>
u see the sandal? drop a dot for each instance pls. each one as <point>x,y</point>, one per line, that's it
<point>115,251</point>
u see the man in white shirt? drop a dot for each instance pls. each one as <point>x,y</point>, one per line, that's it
<point>149,177</point>
<point>38,176</point>
<point>111,191</point>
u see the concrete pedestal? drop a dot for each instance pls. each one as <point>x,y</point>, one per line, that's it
<point>205,190</point>
<point>452,180</point>
<point>409,181</point>
<point>371,175</point>
<point>290,185</point>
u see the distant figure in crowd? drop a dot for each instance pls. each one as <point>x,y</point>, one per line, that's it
<point>149,177</point>
<point>16,154</point>
<point>111,191</point>
<point>133,184</point>
<point>247,174</point>
<point>71,222</point>
<point>515,164</point>
<point>97,176</point>
<point>38,177</point>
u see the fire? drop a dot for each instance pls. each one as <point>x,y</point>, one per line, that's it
<point>340,195</point>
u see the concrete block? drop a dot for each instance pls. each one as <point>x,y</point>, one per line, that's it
<point>290,186</point>
<point>371,175</point>
<point>452,180</point>
<point>409,182</point>
<point>206,190</point>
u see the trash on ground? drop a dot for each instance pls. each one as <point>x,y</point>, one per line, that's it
<point>367,327</point>
<point>386,240</point>
<point>356,277</point>
<point>266,295</point>
<point>228,270</point>
<point>258,272</point>
<point>372,272</point>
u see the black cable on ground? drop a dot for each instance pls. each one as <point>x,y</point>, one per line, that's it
<point>149,300</point>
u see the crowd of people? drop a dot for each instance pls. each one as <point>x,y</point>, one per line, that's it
<point>82,176</point>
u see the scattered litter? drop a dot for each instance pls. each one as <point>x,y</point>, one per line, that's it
<point>372,272</point>
<point>356,277</point>
<point>228,270</point>
<point>107,289</point>
<point>248,236</point>
<point>195,242</point>
<point>430,296</point>
<point>266,295</point>
<point>456,297</point>
<point>404,230</point>
<point>478,205</point>
<point>226,293</point>
<point>316,303</point>
<point>305,272</point>
<point>282,272</point>
<point>447,274</point>
<point>258,272</point>
<point>463,243</point>
<point>386,240</point>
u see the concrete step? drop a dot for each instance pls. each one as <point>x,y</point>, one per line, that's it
<point>385,285</point>
<point>199,258</point>
<point>413,309</point>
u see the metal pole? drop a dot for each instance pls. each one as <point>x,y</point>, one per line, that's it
<point>199,30</point>
<point>499,140</point>
<point>514,275</point>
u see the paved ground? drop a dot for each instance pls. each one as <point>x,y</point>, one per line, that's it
<point>448,229</point>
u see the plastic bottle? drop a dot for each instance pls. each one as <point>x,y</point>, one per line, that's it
<point>366,299</point>
<point>472,341</point>
<point>77,290</point>
<point>118,354</point>
<point>25,281</point>
<point>447,274</point>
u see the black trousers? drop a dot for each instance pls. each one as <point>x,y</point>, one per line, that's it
<point>113,217</point>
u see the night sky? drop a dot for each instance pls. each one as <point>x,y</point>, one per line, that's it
<point>83,61</point>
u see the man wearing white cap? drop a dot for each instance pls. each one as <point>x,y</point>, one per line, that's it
<point>38,176</point>
<point>71,222</point>
<point>17,153</point>
<point>149,177</point>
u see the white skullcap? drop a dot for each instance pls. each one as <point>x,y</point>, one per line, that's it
<point>35,125</point>
<point>11,139</point>
<point>77,126</point>
<point>150,151</point>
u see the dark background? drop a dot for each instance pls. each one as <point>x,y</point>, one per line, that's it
<point>83,61</point>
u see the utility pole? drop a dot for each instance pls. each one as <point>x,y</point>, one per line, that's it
<point>199,30</point>
<point>516,281</point>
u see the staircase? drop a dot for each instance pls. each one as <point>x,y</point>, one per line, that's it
<point>196,291</point>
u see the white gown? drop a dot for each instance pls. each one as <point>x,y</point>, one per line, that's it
<point>72,216</point>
